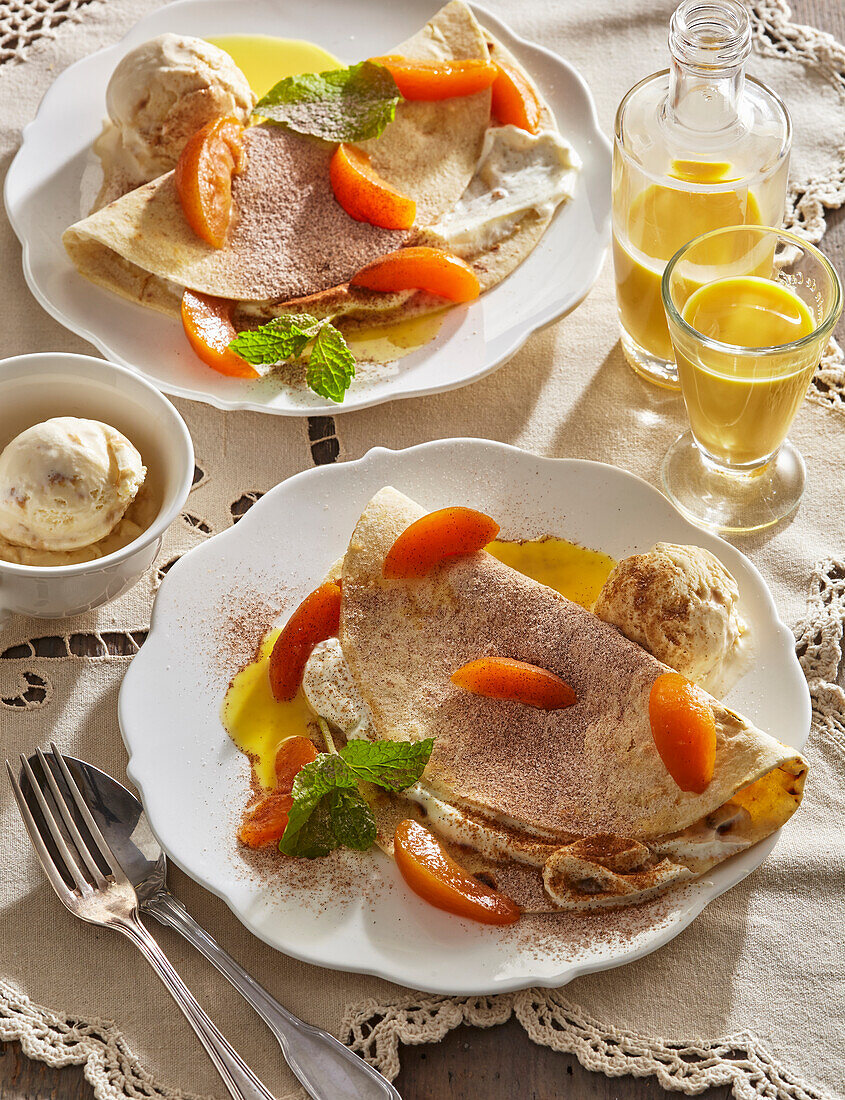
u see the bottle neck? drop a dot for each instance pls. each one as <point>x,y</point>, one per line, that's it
<point>710,41</point>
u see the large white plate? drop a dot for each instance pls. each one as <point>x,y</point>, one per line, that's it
<point>193,780</point>
<point>45,192</point>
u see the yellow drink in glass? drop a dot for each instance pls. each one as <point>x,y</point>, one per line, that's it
<point>750,310</point>
<point>740,407</point>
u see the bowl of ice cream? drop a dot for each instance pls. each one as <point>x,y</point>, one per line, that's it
<point>95,464</point>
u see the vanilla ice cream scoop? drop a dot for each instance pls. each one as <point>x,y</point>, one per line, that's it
<point>680,603</point>
<point>159,95</point>
<point>66,483</point>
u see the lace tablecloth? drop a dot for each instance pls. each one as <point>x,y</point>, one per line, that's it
<point>751,993</point>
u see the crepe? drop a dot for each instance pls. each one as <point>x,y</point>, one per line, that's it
<point>580,795</point>
<point>289,236</point>
<point>492,262</point>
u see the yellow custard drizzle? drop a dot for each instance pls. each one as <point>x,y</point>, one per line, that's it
<point>265,60</point>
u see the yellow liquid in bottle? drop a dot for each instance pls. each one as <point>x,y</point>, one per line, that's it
<point>265,60</point>
<point>741,406</point>
<point>660,220</point>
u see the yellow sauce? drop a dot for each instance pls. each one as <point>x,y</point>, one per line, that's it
<point>258,724</point>
<point>741,407</point>
<point>574,571</point>
<point>265,60</point>
<point>659,221</point>
<point>386,343</point>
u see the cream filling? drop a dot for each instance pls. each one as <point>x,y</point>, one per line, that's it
<point>517,173</point>
<point>571,880</point>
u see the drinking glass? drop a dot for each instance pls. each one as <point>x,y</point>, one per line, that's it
<point>735,470</point>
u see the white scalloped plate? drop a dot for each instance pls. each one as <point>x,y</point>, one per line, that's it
<point>193,780</point>
<point>45,192</point>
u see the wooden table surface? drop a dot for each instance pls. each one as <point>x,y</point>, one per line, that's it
<point>470,1063</point>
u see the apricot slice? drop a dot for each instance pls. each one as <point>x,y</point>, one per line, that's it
<point>266,821</point>
<point>505,678</point>
<point>208,325</point>
<point>438,879</point>
<point>293,754</point>
<point>420,268</point>
<point>364,195</point>
<point>316,618</point>
<point>433,80</point>
<point>203,178</point>
<point>514,101</point>
<point>446,533</point>
<point>684,730</point>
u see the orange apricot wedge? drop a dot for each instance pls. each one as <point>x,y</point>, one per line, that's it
<point>265,821</point>
<point>208,325</point>
<point>292,756</point>
<point>446,533</point>
<point>420,268</point>
<point>505,678</point>
<point>316,618</point>
<point>432,80</point>
<point>514,101</point>
<point>684,730</point>
<point>364,195</point>
<point>203,178</point>
<point>432,874</point>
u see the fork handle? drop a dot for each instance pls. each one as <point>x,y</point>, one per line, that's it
<point>328,1069</point>
<point>237,1076</point>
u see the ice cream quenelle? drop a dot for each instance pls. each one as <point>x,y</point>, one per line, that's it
<point>159,96</point>
<point>681,604</point>
<point>65,487</point>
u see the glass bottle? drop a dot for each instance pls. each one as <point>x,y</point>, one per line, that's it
<point>697,147</point>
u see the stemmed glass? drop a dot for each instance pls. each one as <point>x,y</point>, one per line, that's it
<point>735,470</point>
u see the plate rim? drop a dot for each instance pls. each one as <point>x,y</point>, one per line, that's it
<point>703,896</point>
<point>551,315</point>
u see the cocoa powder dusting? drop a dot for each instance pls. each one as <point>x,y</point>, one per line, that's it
<point>291,237</point>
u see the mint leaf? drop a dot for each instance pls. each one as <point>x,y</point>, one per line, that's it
<point>315,835</point>
<point>281,339</point>
<point>331,366</point>
<point>330,812</point>
<point>393,765</point>
<point>310,830</point>
<point>339,105</point>
<point>352,820</point>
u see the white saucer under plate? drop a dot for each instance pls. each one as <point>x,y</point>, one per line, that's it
<point>45,193</point>
<point>194,782</point>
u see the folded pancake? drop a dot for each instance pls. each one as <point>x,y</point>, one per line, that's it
<point>580,795</point>
<point>518,182</point>
<point>289,236</point>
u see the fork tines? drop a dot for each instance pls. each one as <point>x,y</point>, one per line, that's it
<point>68,842</point>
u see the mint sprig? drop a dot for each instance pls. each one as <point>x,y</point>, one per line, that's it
<point>329,810</point>
<point>331,365</point>
<point>339,105</point>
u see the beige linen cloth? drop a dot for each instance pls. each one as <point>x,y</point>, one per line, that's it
<point>752,993</point>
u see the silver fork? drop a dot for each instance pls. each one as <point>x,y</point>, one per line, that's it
<point>97,890</point>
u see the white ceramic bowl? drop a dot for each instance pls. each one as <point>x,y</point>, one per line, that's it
<point>36,387</point>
